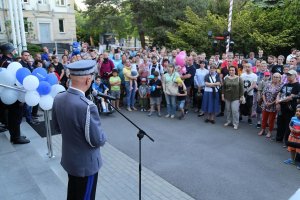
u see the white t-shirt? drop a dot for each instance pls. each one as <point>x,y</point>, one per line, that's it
<point>134,67</point>
<point>248,80</point>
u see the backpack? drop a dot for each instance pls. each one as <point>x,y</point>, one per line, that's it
<point>150,68</point>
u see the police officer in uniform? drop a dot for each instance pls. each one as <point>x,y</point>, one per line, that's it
<point>78,120</point>
<point>14,111</point>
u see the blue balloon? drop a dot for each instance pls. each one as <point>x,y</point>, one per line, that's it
<point>76,44</point>
<point>44,88</point>
<point>51,79</point>
<point>22,73</point>
<point>40,73</point>
<point>76,52</point>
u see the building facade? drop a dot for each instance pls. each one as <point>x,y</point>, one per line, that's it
<point>45,21</point>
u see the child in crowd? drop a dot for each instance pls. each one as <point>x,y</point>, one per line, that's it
<point>115,83</point>
<point>143,93</point>
<point>294,137</point>
<point>155,93</point>
<point>181,96</point>
<point>51,70</point>
<point>134,72</point>
<point>99,87</point>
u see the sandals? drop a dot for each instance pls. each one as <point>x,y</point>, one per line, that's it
<point>268,135</point>
<point>260,133</point>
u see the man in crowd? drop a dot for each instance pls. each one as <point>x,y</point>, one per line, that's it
<point>106,69</point>
<point>271,62</point>
<point>155,66</point>
<point>252,59</point>
<point>188,78</point>
<point>172,59</point>
<point>287,106</point>
<point>292,55</point>
<point>25,62</point>
<point>261,55</point>
<point>249,79</point>
<point>279,66</point>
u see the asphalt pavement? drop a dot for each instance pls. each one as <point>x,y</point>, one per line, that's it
<point>206,161</point>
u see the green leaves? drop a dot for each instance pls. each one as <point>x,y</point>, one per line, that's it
<point>273,29</point>
<point>268,24</point>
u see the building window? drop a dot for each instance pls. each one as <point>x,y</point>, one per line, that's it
<point>61,25</point>
<point>43,1</point>
<point>60,2</point>
<point>26,24</point>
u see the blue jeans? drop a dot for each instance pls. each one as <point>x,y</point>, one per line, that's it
<point>171,104</point>
<point>130,94</point>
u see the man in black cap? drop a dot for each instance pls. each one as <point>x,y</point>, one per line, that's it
<point>78,120</point>
<point>14,111</point>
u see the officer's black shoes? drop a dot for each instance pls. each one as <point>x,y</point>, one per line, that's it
<point>20,140</point>
<point>2,129</point>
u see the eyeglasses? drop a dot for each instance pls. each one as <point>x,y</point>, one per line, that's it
<point>276,76</point>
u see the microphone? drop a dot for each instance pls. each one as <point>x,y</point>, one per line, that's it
<point>95,93</point>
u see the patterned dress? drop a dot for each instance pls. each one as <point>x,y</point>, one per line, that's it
<point>270,92</point>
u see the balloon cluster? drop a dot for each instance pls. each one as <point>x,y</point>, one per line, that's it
<point>40,87</point>
<point>180,60</point>
<point>76,48</point>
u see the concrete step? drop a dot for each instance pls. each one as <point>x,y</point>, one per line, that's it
<point>37,164</point>
<point>16,183</point>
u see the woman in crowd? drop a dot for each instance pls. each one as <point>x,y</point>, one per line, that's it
<point>210,103</point>
<point>269,95</point>
<point>144,68</point>
<point>170,90</point>
<point>200,84</point>
<point>232,92</point>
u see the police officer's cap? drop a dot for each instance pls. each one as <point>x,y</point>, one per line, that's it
<point>7,48</point>
<point>82,67</point>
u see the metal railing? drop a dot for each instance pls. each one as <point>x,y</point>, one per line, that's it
<point>47,122</point>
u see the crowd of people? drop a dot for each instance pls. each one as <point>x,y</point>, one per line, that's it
<point>264,88</point>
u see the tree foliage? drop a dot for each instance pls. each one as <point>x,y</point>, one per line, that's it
<point>267,24</point>
<point>273,29</point>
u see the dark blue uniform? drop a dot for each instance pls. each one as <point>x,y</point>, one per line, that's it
<point>14,112</point>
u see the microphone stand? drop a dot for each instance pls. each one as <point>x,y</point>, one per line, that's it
<point>141,133</point>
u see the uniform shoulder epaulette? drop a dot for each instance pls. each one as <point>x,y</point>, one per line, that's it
<point>87,101</point>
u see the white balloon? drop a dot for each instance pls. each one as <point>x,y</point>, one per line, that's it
<point>7,78</point>
<point>55,89</point>
<point>32,98</point>
<point>31,83</point>
<point>21,97</point>
<point>9,96</point>
<point>13,67</point>
<point>46,102</point>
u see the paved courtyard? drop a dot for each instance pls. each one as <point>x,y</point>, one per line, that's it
<point>188,160</point>
<point>206,161</point>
